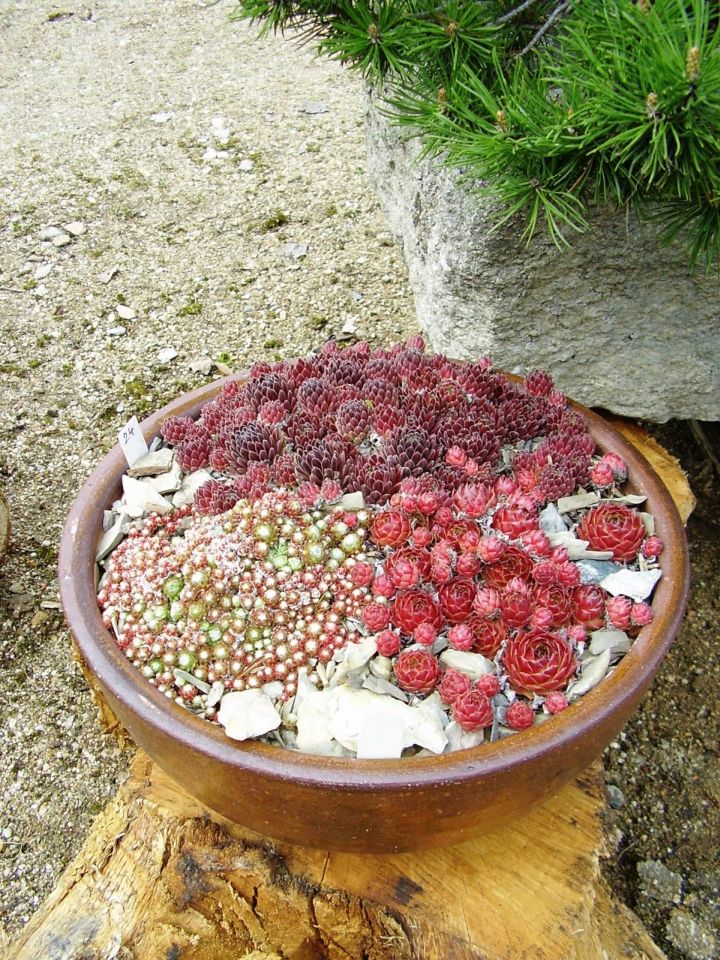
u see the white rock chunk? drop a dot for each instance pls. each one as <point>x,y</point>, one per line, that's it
<point>107,275</point>
<point>75,228</point>
<point>125,313</point>
<point>168,482</point>
<point>636,584</point>
<point>550,520</point>
<point>578,501</point>
<point>577,549</point>
<point>384,687</point>
<point>475,665</point>
<point>459,739</point>
<point>312,712</point>
<point>380,736</point>
<point>62,240</point>
<point>648,522</point>
<point>246,165</point>
<point>140,498</point>
<point>43,271</point>
<point>247,713</point>
<point>192,482</point>
<point>201,365</point>
<point>112,537</point>
<point>167,355</point>
<point>49,233</point>
<point>630,499</point>
<point>427,725</point>
<point>616,641</point>
<point>160,117</point>
<point>593,571</point>
<point>593,672</point>
<point>152,464</point>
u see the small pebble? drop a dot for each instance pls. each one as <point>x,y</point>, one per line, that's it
<point>691,937</point>
<point>62,240</point>
<point>659,883</point>
<point>125,313</point>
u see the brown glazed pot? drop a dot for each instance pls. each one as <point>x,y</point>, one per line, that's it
<point>366,805</point>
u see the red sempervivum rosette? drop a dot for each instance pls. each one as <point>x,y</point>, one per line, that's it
<point>514,522</point>
<point>417,671</point>
<point>390,529</point>
<point>557,599</point>
<point>420,559</point>
<point>539,661</point>
<point>489,635</point>
<point>413,608</point>
<point>613,526</point>
<point>514,562</point>
<point>456,599</point>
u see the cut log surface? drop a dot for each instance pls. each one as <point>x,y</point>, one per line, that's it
<point>162,878</point>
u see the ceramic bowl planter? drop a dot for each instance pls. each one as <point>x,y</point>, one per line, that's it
<point>365,805</point>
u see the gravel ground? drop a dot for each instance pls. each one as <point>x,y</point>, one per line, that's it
<point>216,206</point>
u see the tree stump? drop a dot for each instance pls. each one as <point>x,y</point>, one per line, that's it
<point>162,878</point>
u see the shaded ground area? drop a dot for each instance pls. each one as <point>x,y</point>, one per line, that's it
<point>666,763</point>
<point>219,210</point>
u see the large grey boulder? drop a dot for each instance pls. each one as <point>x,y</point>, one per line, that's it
<point>618,320</point>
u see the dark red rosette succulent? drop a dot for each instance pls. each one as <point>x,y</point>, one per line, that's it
<point>417,671</point>
<point>391,528</point>
<point>514,522</point>
<point>411,609</point>
<point>456,599</point>
<point>515,562</point>
<point>489,635</point>
<point>250,444</point>
<point>613,526</point>
<point>472,710</point>
<point>415,450</point>
<point>556,480</point>
<point>377,478</point>
<point>556,599</point>
<point>270,386</point>
<point>539,383</point>
<point>315,395</point>
<point>175,428</point>
<point>194,452</point>
<point>538,661</point>
<point>380,392</point>
<point>328,459</point>
<point>352,420</point>
<point>588,605</point>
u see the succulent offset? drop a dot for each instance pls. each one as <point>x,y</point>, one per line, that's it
<point>386,520</point>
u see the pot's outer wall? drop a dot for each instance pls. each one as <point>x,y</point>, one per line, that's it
<point>365,805</point>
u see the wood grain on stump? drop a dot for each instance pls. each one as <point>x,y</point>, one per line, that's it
<point>162,878</point>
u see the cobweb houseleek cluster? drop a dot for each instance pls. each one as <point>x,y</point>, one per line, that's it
<point>549,107</point>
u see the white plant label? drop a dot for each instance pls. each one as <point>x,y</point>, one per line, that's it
<point>132,441</point>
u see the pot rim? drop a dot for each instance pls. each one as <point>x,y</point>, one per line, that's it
<point>113,671</point>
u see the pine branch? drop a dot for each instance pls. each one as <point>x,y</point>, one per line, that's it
<point>555,15</point>
<point>511,14</point>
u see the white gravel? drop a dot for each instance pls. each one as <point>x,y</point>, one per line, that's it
<point>173,192</point>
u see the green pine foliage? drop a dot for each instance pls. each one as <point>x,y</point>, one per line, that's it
<point>552,107</point>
